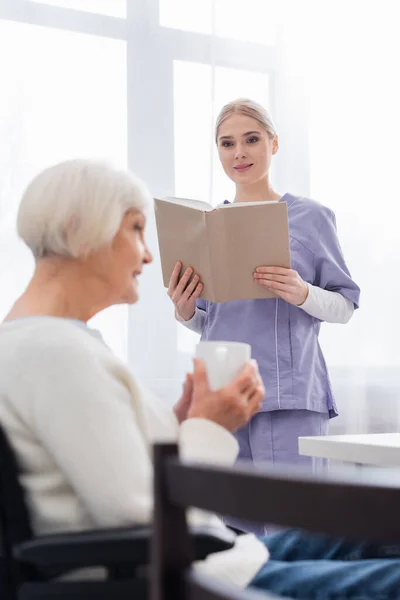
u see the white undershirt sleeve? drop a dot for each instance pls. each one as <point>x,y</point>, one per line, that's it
<point>196,323</point>
<point>327,306</point>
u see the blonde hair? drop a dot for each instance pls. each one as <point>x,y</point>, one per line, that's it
<point>76,207</point>
<point>249,108</point>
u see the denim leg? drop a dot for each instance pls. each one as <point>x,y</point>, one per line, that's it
<point>294,544</point>
<point>331,580</point>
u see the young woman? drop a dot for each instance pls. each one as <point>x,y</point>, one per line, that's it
<point>283,332</point>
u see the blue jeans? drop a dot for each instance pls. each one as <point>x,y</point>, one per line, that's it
<point>316,567</point>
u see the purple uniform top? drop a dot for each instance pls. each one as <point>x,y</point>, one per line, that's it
<point>283,337</point>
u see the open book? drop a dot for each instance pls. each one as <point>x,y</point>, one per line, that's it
<point>224,245</point>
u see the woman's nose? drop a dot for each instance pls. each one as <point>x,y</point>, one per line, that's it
<point>240,152</point>
<point>147,258</point>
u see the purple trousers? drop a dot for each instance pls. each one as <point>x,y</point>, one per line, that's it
<point>272,437</point>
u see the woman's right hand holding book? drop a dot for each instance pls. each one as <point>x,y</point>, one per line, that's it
<point>184,291</point>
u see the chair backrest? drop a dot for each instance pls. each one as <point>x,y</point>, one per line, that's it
<point>15,525</point>
<point>359,506</point>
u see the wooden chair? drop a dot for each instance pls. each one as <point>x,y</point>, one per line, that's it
<point>360,506</point>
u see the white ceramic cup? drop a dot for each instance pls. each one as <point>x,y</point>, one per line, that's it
<point>223,361</point>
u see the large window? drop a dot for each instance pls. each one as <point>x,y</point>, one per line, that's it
<point>63,96</point>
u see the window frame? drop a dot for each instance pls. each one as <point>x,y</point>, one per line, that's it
<point>151,71</point>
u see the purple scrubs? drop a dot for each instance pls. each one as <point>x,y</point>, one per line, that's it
<point>284,340</point>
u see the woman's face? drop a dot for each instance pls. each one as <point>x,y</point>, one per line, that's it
<point>120,264</point>
<point>245,149</point>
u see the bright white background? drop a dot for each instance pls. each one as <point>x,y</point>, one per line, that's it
<point>140,82</point>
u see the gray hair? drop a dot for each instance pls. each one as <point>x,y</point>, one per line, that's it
<point>76,207</point>
<point>249,108</point>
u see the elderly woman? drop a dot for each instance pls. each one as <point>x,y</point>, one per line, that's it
<point>82,426</point>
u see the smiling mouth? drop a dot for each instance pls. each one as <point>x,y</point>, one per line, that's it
<point>242,168</point>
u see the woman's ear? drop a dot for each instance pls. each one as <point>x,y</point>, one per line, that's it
<point>275,145</point>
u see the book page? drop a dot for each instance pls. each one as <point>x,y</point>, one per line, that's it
<point>238,204</point>
<point>247,238</point>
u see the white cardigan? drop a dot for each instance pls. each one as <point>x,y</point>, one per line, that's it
<point>82,428</point>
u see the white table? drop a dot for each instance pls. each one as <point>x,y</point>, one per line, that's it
<point>378,449</point>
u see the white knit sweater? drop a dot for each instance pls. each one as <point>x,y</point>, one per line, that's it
<point>82,428</point>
